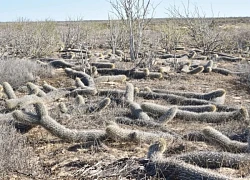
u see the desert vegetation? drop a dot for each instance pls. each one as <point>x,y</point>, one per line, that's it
<point>132,97</point>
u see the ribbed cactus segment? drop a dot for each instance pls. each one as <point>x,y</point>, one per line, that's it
<point>155,75</point>
<point>129,93</point>
<point>70,134</point>
<point>21,102</point>
<point>147,89</point>
<point>79,83</point>
<point>223,141</point>
<point>136,90</point>
<point>168,115</point>
<point>103,65</point>
<point>173,99</point>
<point>137,111</point>
<point>206,96</point>
<point>113,78</point>
<point>165,69</point>
<point>213,159</point>
<point>42,118</point>
<point>93,71</point>
<point>111,92</point>
<point>31,99</point>
<point>79,100</point>
<point>208,67</point>
<point>140,74</point>
<point>142,123</point>
<point>176,169</point>
<point>34,89</point>
<point>160,109</point>
<point>9,91</point>
<point>230,58</point>
<point>119,134</point>
<point>60,64</point>
<point>100,106</point>
<point>197,70</point>
<point>108,71</point>
<point>3,95</point>
<point>222,71</point>
<point>62,107</point>
<point>41,110</point>
<point>85,78</point>
<point>157,147</point>
<point>85,91</point>
<point>48,87</point>
<point>212,117</point>
<point>185,68</point>
<point>138,122</point>
<point>26,118</point>
<point>186,114</point>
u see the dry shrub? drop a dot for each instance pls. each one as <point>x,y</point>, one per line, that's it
<point>24,38</point>
<point>17,72</point>
<point>81,34</point>
<point>15,155</point>
<point>238,37</point>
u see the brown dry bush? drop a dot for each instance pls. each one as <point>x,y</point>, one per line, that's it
<point>81,34</point>
<point>24,38</point>
<point>15,154</point>
<point>17,72</point>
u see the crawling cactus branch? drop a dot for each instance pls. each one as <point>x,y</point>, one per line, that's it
<point>60,64</point>
<point>129,93</point>
<point>176,169</point>
<point>213,159</point>
<point>119,134</point>
<point>100,105</point>
<point>9,91</point>
<point>79,100</point>
<point>197,70</point>
<point>48,87</point>
<point>173,99</point>
<point>30,99</point>
<point>137,112</point>
<point>43,119</point>
<point>79,83</point>
<point>34,89</point>
<point>168,115</point>
<point>160,109</point>
<point>211,117</point>
<point>143,123</point>
<point>210,96</point>
<point>113,78</point>
<point>216,137</point>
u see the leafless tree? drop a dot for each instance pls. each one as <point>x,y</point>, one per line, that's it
<point>134,15</point>
<point>202,30</point>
